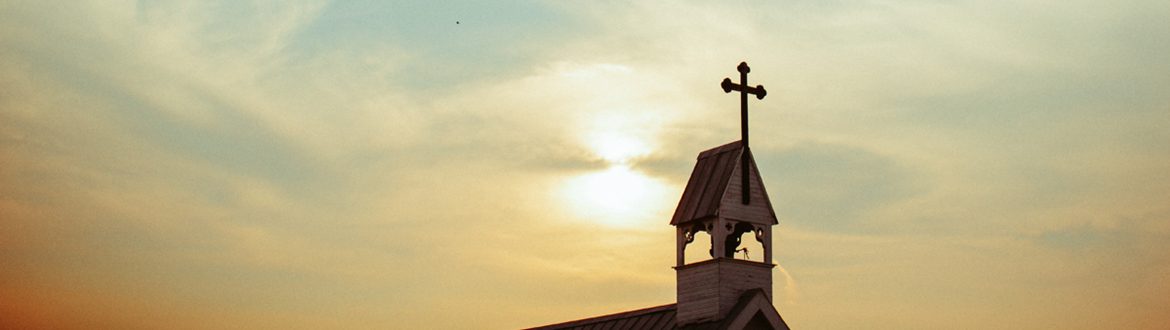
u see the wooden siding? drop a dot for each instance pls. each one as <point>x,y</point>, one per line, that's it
<point>708,290</point>
<point>759,211</point>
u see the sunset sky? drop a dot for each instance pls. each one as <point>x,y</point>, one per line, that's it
<point>375,164</point>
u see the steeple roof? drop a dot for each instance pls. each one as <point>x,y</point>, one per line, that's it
<point>707,193</point>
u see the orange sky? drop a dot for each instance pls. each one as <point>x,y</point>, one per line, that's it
<point>317,164</point>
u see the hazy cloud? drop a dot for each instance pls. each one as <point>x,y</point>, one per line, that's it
<point>337,164</point>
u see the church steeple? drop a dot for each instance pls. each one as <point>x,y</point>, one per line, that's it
<point>711,204</point>
<point>725,199</point>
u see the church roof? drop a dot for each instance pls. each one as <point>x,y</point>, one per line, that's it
<point>660,318</point>
<point>653,318</point>
<point>705,190</point>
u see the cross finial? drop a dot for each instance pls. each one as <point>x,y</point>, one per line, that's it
<point>744,90</point>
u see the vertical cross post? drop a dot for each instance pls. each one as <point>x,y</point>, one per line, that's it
<point>744,90</point>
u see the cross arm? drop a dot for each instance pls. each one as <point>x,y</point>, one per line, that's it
<point>729,86</point>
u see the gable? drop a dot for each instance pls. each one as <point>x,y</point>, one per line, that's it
<point>759,210</point>
<point>754,311</point>
<point>709,192</point>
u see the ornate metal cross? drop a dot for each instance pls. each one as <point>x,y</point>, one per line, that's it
<point>744,90</point>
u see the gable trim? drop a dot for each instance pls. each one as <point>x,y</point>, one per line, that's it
<point>751,303</point>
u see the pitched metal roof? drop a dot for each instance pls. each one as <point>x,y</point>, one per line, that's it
<point>653,318</point>
<point>657,318</point>
<point>705,188</point>
<point>708,182</point>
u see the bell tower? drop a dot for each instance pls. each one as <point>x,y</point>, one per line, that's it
<point>724,198</point>
<point>713,203</point>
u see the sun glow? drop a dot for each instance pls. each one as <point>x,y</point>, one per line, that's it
<point>616,196</point>
<point>619,195</point>
<point>616,148</point>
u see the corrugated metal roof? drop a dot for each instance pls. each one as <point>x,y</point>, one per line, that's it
<point>656,318</point>
<point>705,188</point>
<point>708,182</point>
<point>653,318</point>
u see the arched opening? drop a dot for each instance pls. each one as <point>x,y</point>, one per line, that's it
<point>749,238</point>
<point>699,249</point>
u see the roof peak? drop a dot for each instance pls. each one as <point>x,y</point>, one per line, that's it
<point>730,146</point>
<point>705,193</point>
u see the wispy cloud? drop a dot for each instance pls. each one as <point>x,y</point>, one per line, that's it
<point>294,164</point>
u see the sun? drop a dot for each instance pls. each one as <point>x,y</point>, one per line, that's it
<point>617,148</point>
<point>618,195</point>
